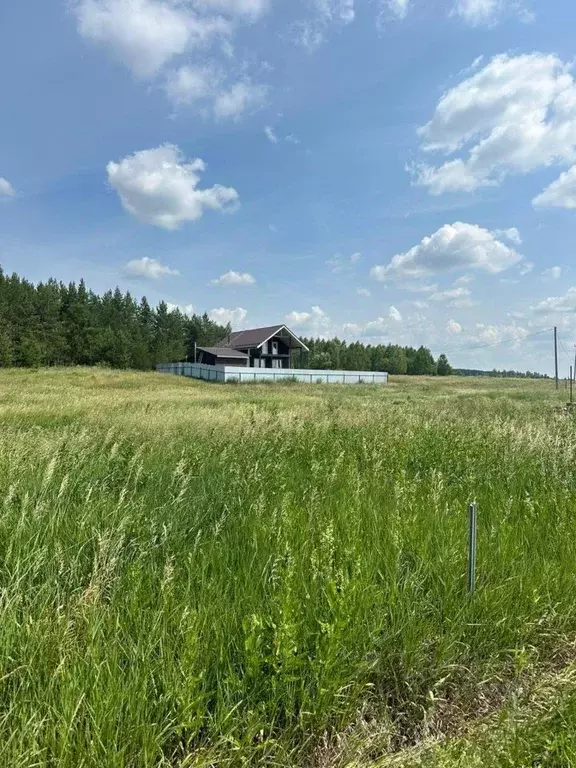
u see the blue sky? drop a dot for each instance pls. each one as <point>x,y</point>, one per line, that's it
<point>390,170</point>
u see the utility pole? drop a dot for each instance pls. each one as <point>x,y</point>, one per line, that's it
<point>556,355</point>
<point>571,385</point>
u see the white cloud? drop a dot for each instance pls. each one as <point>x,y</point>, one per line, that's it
<point>453,328</point>
<point>292,139</point>
<point>488,12</point>
<point>160,187</point>
<point>381,327</point>
<point>146,34</point>
<point>234,278</point>
<point>554,273</point>
<point>363,292</point>
<point>496,334</point>
<point>561,193</point>
<point>454,297</point>
<point>557,304</point>
<point>453,246</point>
<point>420,304</point>
<point>526,267</point>
<point>516,114</point>
<point>186,309</point>
<point>241,97</point>
<point>312,32</point>
<point>316,321</point>
<point>190,85</point>
<point>395,9</point>
<point>224,316</point>
<point>511,234</point>
<point>464,280</point>
<point>478,12</point>
<point>270,135</point>
<point>394,314</point>
<point>336,10</point>
<point>187,84</point>
<point>6,189</point>
<point>151,269</point>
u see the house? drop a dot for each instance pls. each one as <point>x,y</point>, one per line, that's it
<point>273,347</point>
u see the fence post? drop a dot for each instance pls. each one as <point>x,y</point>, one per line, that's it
<point>472,524</point>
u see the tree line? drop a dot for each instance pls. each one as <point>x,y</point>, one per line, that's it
<point>355,356</point>
<point>55,324</point>
<point>501,374</point>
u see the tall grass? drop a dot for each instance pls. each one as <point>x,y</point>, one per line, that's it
<point>197,575</point>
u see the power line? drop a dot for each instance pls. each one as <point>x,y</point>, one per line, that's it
<point>503,341</point>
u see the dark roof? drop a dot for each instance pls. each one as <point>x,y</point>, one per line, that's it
<point>254,337</point>
<point>224,352</point>
<point>250,338</point>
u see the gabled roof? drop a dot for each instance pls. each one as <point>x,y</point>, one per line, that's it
<point>256,337</point>
<point>224,352</point>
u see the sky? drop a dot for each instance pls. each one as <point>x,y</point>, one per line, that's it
<point>387,170</point>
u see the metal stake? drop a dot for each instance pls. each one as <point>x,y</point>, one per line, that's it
<point>472,521</point>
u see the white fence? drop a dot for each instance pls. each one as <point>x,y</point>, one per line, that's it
<point>225,373</point>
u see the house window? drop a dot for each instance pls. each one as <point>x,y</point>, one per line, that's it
<point>276,363</point>
<point>265,348</point>
<point>274,347</point>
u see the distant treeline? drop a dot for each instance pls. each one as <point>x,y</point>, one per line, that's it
<point>56,324</point>
<point>355,356</point>
<point>501,374</point>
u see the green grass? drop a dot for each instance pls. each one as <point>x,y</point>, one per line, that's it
<point>196,574</point>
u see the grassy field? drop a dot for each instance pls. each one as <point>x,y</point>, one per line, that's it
<point>198,575</point>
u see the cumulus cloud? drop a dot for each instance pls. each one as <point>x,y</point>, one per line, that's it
<point>554,273</point>
<point>160,187</point>
<point>185,309</point>
<point>6,189</point>
<point>315,322</point>
<point>234,278</point>
<point>151,269</point>
<point>146,34</point>
<point>453,246</point>
<point>557,304</point>
<point>453,328</point>
<point>188,84</point>
<point>363,292</point>
<point>561,193</point>
<point>516,114</point>
<point>496,334</point>
<point>381,327</point>
<point>224,316</point>
<point>464,280</point>
<point>206,86</point>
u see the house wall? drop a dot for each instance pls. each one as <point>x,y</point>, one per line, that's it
<point>236,373</point>
<point>283,349</point>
